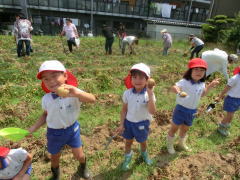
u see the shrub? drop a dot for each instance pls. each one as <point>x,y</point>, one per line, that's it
<point>234,35</point>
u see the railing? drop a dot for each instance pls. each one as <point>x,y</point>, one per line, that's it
<point>111,8</point>
<point>10,2</point>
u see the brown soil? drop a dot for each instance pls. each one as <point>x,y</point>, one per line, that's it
<point>204,165</point>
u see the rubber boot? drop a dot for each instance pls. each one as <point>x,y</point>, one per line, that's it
<point>182,143</point>
<point>83,170</point>
<point>170,147</point>
<point>223,129</point>
<point>127,160</point>
<point>55,173</point>
<point>146,158</point>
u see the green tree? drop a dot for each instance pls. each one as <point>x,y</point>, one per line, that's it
<point>217,29</point>
<point>234,35</point>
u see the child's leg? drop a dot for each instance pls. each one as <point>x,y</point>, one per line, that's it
<point>170,138</point>
<point>144,153</point>
<point>228,118</point>
<point>82,169</point>
<point>128,145</point>
<point>26,177</point>
<point>225,124</point>
<point>55,160</point>
<point>183,138</point>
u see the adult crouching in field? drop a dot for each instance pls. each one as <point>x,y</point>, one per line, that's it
<point>131,41</point>
<point>22,29</point>
<point>218,60</point>
<point>167,41</point>
<point>108,34</point>
<point>70,30</point>
<point>196,45</point>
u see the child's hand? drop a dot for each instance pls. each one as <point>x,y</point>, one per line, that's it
<point>214,83</point>
<point>66,90</point>
<point>18,177</point>
<point>120,129</point>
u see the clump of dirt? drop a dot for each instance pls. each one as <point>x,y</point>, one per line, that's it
<point>195,167</point>
<point>163,117</point>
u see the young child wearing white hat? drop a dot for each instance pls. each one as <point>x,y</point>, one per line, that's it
<point>61,114</point>
<point>137,110</point>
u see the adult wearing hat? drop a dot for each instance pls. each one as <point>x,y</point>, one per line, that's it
<point>196,45</point>
<point>218,61</point>
<point>167,41</point>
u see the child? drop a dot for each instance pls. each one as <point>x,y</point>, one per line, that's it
<point>189,91</point>
<point>130,41</point>
<point>61,113</point>
<point>15,164</point>
<point>231,103</point>
<point>138,107</point>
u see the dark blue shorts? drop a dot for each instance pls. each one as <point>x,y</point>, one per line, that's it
<point>57,138</point>
<point>139,130</point>
<point>231,104</point>
<point>182,115</point>
<point>29,170</point>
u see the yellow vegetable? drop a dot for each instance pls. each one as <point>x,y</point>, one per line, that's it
<point>150,83</point>
<point>61,91</point>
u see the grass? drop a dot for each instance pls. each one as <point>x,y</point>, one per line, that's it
<point>20,102</point>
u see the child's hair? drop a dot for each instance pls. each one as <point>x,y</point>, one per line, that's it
<point>68,19</point>
<point>135,72</point>
<point>188,75</point>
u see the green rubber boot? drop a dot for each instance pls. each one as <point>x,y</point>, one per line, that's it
<point>127,160</point>
<point>146,158</point>
<point>223,129</point>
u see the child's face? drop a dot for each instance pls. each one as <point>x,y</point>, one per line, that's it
<point>198,73</point>
<point>139,81</point>
<point>53,79</point>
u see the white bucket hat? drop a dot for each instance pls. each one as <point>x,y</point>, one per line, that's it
<point>143,68</point>
<point>51,65</point>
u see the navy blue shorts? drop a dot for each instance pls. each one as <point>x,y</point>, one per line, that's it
<point>139,130</point>
<point>231,104</point>
<point>57,138</point>
<point>182,115</point>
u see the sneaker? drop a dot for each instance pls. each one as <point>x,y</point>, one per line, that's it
<point>183,145</point>
<point>127,160</point>
<point>146,158</point>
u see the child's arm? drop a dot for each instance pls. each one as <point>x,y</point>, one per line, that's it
<point>41,121</point>
<point>176,89</point>
<point>226,89</point>
<point>83,96</point>
<point>151,102</point>
<point>210,86</point>
<point>122,118</point>
<point>25,166</point>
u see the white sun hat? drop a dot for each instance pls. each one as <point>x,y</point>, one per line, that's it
<point>142,67</point>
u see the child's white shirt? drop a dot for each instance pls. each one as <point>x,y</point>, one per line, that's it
<point>234,82</point>
<point>194,91</point>
<point>137,109</point>
<point>197,41</point>
<point>61,112</point>
<point>16,158</point>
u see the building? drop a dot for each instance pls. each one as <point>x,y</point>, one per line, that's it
<point>141,17</point>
